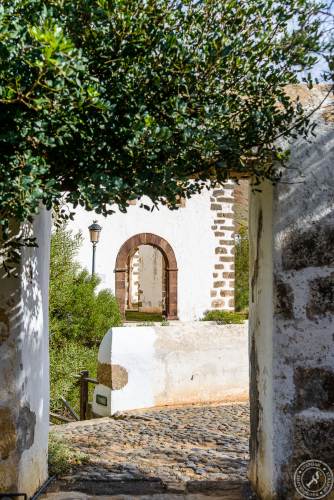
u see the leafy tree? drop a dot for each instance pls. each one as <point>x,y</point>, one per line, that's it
<point>107,100</point>
<point>77,312</point>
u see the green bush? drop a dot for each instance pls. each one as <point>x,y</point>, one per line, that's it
<point>79,319</point>
<point>224,317</point>
<point>242,270</point>
<point>136,316</point>
<point>77,312</point>
<point>66,361</point>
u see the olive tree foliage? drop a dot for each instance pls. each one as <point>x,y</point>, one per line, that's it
<point>103,101</point>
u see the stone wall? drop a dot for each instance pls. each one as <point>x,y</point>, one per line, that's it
<point>222,206</point>
<point>292,314</point>
<point>24,360</point>
<point>141,367</point>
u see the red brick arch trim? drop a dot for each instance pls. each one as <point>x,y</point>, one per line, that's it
<point>121,269</point>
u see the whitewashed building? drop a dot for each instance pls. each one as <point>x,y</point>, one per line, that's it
<point>176,262</point>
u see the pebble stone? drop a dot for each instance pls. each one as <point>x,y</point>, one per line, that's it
<point>190,451</point>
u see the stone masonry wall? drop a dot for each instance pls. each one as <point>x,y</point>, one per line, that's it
<point>222,207</point>
<point>292,313</point>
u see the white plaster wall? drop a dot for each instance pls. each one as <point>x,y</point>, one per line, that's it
<point>187,230</point>
<point>24,382</point>
<point>178,364</point>
<point>35,352</point>
<point>261,310</point>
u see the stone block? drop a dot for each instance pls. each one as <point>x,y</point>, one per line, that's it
<point>226,215</point>
<point>219,250</point>
<point>227,293</point>
<point>321,297</point>
<point>313,437</point>
<point>311,247</point>
<point>314,388</point>
<point>216,206</point>
<point>228,275</point>
<point>231,303</point>
<point>225,199</point>
<point>218,192</point>
<point>284,299</point>
<point>226,242</point>
<point>217,304</point>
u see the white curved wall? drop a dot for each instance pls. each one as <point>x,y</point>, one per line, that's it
<point>184,363</point>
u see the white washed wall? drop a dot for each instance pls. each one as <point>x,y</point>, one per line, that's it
<point>24,361</point>
<point>182,363</point>
<point>187,230</point>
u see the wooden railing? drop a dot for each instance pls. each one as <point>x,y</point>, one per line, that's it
<point>83,379</point>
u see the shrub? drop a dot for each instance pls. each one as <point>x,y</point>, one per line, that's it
<point>242,270</point>
<point>79,319</point>
<point>77,312</point>
<point>143,316</point>
<point>66,361</point>
<point>224,317</point>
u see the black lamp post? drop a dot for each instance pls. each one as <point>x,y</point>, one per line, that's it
<point>94,233</point>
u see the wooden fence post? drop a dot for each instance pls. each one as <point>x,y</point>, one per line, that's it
<point>84,374</point>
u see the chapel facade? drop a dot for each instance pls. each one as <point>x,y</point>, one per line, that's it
<point>177,263</point>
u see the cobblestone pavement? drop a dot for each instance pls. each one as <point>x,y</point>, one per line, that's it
<point>192,452</point>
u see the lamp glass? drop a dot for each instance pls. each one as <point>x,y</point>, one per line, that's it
<point>94,235</point>
<point>94,232</point>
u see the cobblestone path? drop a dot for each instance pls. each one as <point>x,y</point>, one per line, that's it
<point>192,452</point>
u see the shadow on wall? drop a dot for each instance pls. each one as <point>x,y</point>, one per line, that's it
<point>292,332</point>
<point>24,365</point>
<point>306,239</point>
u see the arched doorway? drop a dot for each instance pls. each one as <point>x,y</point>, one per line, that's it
<point>146,281</point>
<point>124,261</point>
